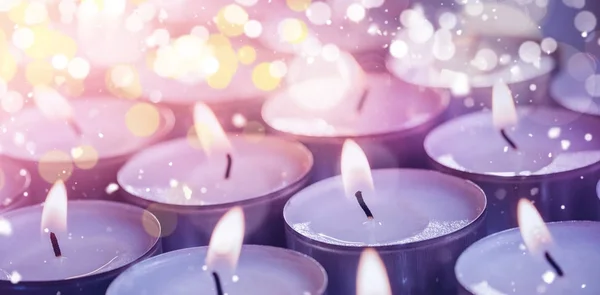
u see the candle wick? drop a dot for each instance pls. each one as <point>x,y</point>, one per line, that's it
<point>363,99</point>
<point>508,140</point>
<point>554,265</point>
<point>75,127</point>
<point>218,283</point>
<point>363,205</point>
<point>228,168</point>
<point>55,245</point>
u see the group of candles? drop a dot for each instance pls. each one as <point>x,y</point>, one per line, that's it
<point>130,206</point>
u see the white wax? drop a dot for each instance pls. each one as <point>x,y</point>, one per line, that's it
<point>101,236</point>
<point>501,264</point>
<point>389,107</point>
<point>407,205</point>
<point>548,140</point>
<point>261,270</point>
<point>179,172</point>
<point>576,95</point>
<point>241,86</point>
<point>30,135</point>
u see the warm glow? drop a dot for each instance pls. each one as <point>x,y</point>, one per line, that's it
<point>372,278</point>
<point>533,229</point>
<point>54,215</point>
<point>52,104</point>
<point>356,173</point>
<point>226,241</point>
<point>209,131</point>
<point>323,82</point>
<point>503,107</point>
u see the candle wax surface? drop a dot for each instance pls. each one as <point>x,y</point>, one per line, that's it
<point>501,264</point>
<point>548,141</point>
<point>260,270</point>
<point>103,123</point>
<point>389,107</point>
<point>101,236</point>
<point>180,172</point>
<point>407,205</point>
<point>190,91</point>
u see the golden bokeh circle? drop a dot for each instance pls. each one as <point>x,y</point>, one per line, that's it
<point>85,157</point>
<point>247,55</point>
<point>167,220</point>
<point>262,78</point>
<point>55,165</point>
<point>142,119</point>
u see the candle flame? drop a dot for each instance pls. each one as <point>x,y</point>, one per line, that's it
<point>52,104</point>
<point>533,229</point>
<point>323,84</point>
<point>356,172</point>
<point>54,214</point>
<point>504,113</point>
<point>372,277</point>
<point>226,241</point>
<point>209,131</point>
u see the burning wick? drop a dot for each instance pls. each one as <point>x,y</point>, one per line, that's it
<point>75,127</point>
<point>554,265</point>
<point>363,99</point>
<point>228,169</point>
<point>508,140</point>
<point>217,283</point>
<point>55,245</point>
<point>363,205</point>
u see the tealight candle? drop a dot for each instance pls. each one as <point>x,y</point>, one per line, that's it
<point>229,268</point>
<point>476,64</point>
<point>14,183</point>
<point>418,220</point>
<point>552,258</point>
<point>228,85</point>
<point>103,238</point>
<point>190,188</point>
<point>389,120</point>
<point>551,156</point>
<point>84,143</point>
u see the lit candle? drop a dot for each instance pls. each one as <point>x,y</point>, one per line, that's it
<point>191,182</point>
<point>84,142</point>
<point>418,220</point>
<point>218,72</point>
<point>14,185</point>
<point>229,268</point>
<point>551,156</point>
<point>328,101</point>
<point>464,60</point>
<point>102,239</point>
<point>537,258</point>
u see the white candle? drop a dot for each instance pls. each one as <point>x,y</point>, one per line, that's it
<point>555,162</point>
<point>14,185</point>
<point>102,239</point>
<point>247,269</point>
<point>467,66</point>
<point>386,118</point>
<point>521,260</point>
<point>182,178</point>
<point>421,221</point>
<point>84,142</point>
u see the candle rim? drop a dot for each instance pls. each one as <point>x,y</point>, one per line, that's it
<point>7,170</point>
<point>508,232</point>
<point>153,248</point>
<point>166,125</point>
<point>246,248</point>
<point>404,129</point>
<point>291,187</point>
<point>498,178</point>
<point>477,222</point>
